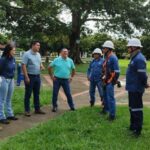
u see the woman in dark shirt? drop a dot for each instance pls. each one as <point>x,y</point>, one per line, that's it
<point>7,72</point>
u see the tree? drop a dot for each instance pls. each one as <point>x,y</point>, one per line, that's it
<point>111,15</point>
<point>25,19</point>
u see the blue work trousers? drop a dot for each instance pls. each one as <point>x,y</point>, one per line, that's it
<point>109,100</point>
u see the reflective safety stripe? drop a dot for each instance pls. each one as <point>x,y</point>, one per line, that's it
<point>141,70</point>
<point>136,109</point>
<point>117,70</point>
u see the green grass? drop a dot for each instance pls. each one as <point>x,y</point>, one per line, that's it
<point>84,129</point>
<point>18,99</point>
<point>123,63</point>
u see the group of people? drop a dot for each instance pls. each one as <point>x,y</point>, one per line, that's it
<point>103,73</point>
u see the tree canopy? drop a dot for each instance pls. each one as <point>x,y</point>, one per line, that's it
<point>29,19</point>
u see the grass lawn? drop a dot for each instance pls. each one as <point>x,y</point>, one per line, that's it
<point>123,63</point>
<point>84,129</point>
<point>18,98</point>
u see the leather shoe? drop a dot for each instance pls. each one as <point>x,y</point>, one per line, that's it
<point>54,109</point>
<point>27,114</point>
<point>4,121</point>
<point>12,118</point>
<point>39,112</point>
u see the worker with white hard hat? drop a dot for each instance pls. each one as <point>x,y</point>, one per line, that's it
<point>110,76</point>
<point>136,82</point>
<point>94,75</point>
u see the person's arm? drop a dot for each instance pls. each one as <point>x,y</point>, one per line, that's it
<point>89,71</point>
<point>72,71</point>
<point>24,70</point>
<point>42,66</point>
<point>50,70</point>
<point>141,70</point>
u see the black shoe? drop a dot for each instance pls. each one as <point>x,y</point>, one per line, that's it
<point>54,109</point>
<point>4,121</point>
<point>111,118</point>
<point>136,133</point>
<point>72,109</point>
<point>91,104</point>
<point>12,118</point>
<point>40,112</point>
<point>103,112</point>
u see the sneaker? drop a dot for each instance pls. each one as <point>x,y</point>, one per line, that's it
<point>12,118</point>
<point>4,121</point>
<point>40,112</point>
<point>54,109</point>
<point>27,114</point>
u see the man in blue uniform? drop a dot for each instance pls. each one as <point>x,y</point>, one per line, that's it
<point>136,82</point>
<point>94,75</point>
<point>110,76</point>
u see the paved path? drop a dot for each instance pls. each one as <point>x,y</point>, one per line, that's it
<point>79,87</point>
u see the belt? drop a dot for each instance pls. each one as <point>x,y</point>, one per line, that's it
<point>34,75</point>
<point>61,78</point>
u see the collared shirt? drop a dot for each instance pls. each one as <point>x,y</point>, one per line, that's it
<point>136,76</point>
<point>62,67</point>
<point>7,67</point>
<point>32,61</point>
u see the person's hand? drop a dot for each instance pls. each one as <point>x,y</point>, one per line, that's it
<point>42,67</point>
<point>88,78</point>
<point>27,80</point>
<point>70,79</point>
<point>53,78</point>
<point>147,86</point>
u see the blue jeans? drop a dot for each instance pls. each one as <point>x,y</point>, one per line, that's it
<point>93,85</point>
<point>6,92</point>
<point>66,87</point>
<point>34,85</point>
<point>109,99</point>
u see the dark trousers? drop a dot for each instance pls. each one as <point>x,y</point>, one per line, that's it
<point>136,110</point>
<point>34,85</point>
<point>66,87</point>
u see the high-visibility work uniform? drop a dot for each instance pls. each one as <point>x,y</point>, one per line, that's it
<point>111,75</point>
<point>136,81</point>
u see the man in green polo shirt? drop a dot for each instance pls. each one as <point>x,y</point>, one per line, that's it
<point>61,71</point>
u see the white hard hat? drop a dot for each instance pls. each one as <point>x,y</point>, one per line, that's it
<point>108,44</point>
<point>97,51</point>
<point>134,42</point>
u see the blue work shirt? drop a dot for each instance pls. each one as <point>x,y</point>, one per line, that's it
<point>7,67</point>
<point>94,72</point>
<point>62,67</point>
<point>32,61</point>
<point>112,66</point>
<point>136,77</point>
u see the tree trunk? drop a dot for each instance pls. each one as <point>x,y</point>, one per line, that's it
<point>75,37</point>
